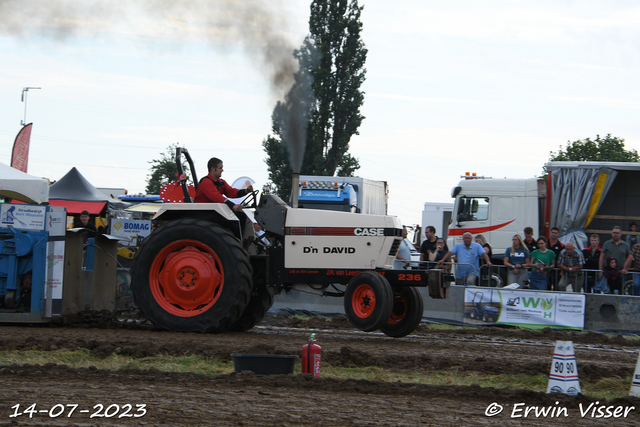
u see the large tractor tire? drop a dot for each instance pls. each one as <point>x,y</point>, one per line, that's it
<point>368,301</point>
<point>191,276</point>
<point>260,302</point>
<point>408,308</point>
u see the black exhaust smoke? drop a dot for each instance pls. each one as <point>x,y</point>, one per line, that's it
<point>295,185</point>
<point>259,25</point>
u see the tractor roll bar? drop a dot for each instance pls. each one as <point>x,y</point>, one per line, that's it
<point>182,177</point>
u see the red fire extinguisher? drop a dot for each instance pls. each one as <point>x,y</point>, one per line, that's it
<point>311,357</point>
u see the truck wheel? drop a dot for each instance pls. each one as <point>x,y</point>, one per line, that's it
<point>473,314</point>
<point>191,275</point>
<point>495,281</point>
<point>368,301</point>
<point>260,302</point>
<point>485,318</point>
<point>406,314</point>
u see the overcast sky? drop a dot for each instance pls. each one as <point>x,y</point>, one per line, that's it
<point>489,87</point>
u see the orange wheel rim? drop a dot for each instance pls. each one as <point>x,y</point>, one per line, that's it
<point>186,278</point>
<point>363,301</point>
<point>400,308</point>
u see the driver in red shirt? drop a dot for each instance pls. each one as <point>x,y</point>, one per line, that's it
<point>213,189</point>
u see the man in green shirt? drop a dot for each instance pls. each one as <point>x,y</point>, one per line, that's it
<point>617,248</point>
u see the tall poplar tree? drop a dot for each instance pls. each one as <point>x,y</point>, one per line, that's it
<point>331,60</point>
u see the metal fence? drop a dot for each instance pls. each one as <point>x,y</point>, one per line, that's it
<point>497,276</point>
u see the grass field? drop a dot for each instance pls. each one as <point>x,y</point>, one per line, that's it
<point>607,388</point>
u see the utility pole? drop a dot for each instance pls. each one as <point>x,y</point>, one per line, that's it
<point>24,99</point>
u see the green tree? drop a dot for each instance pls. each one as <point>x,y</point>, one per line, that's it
<point>163,171</point>
<point>331,61</point>
<point>607,149</point>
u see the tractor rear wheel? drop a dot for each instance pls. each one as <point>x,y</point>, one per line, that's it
<point>260,302</point>
<point>408,308</point>
<point>191,275</point>
<point>368,301</point>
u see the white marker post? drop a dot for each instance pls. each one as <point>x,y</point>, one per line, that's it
<point>564,371</point>
<point>635,381</point>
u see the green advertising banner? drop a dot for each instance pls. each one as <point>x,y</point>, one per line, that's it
<point>524,308</point>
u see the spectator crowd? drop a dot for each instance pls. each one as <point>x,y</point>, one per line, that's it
<point>542,264</point>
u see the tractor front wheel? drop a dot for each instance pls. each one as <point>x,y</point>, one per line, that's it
<point>368,301</point>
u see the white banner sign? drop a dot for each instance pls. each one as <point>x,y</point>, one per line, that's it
<point>55,269</point>
<point>23,217</point>
<point>130,231</point>
<point>524,308</point>
<point>57,221</point>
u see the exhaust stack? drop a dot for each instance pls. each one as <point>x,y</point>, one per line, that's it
<point>295,189</point>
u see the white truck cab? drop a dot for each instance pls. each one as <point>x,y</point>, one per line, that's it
<point>497,209</point>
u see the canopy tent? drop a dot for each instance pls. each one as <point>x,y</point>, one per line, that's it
<point>22,187</point>
<point>75,193</point>
<point>75,207</point>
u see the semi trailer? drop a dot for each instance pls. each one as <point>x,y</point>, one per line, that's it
<point>580,198</point>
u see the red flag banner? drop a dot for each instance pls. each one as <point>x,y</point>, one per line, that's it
<point>20,153</point>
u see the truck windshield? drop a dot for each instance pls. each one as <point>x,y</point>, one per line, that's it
<point>473,209</point>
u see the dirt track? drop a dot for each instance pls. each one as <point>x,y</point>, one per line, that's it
<point>174,399</point>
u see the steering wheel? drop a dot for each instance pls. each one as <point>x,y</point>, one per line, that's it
<point>251,200</point>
